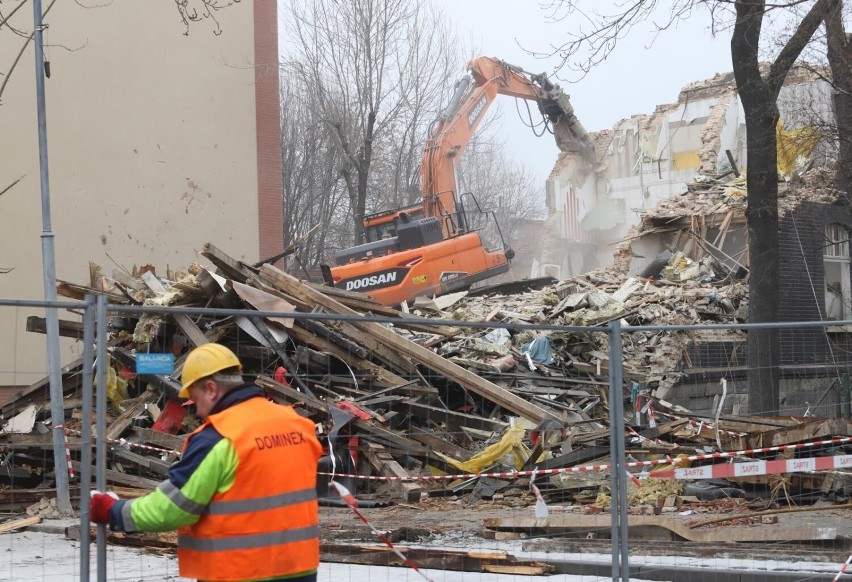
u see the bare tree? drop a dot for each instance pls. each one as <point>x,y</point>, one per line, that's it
<point>312,187</point>
<point>376,69</point>
<point>839,51</point>
<point>758,89</point>
<point>499,185</point>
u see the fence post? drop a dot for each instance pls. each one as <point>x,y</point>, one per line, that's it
<point>100,427</point>
<point>54,363</point>
<point>86,433</point>
<point>618,487</point>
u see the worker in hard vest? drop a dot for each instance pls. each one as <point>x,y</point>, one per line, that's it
<point>243,495</point>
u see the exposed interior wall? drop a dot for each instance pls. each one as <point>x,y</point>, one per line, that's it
<point>152,151</point>
<point>648,158</point>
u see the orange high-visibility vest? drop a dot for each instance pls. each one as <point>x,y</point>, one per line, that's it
<point>267,523</point>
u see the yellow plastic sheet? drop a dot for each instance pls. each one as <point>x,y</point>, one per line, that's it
<point>794,147</point>
<point>116,388</point>
<point>511,446</point>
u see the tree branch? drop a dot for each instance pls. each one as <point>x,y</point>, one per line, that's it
<point>11,14</point>
<point>10,186</point>
<point>21,52</point>
<point>794,47</point>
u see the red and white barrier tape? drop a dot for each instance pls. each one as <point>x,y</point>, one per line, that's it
<point>67,450</point>
<point>128,444</point>
<point>748,469</point>
<point>541,509</point>
<point>843,568</point>
<point>716,471</point>
<point>604,467</point>
<point>350,500</point>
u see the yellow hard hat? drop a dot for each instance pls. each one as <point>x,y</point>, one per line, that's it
<point>203,361</point>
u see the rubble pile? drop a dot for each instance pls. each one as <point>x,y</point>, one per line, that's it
<point>416,398</point>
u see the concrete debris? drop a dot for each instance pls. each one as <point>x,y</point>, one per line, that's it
<point>45,508</point>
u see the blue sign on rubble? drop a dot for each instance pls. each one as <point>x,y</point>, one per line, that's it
<point>155,363</point>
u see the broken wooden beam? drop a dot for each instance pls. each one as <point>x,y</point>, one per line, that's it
<point>417,353</point>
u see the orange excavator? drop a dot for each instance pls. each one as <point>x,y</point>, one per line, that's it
<point>432,248</point>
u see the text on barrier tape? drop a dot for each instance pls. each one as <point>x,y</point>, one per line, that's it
<point>748,469</point>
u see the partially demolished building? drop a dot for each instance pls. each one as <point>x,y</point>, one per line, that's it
<point>670,186</point>
<point>646,159</point>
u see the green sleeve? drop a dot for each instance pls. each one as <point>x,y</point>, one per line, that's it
<point>169,507</point>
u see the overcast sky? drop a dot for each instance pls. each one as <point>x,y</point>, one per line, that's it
<point>641,73</point>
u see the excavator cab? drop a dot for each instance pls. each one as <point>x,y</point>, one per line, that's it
<point>382,225</point>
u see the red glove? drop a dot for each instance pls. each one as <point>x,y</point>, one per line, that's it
<point>99,506</point>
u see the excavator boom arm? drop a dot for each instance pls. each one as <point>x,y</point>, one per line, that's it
<point>455,127</point>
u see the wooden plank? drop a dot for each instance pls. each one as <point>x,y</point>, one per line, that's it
<point>436,443</point>
<point>723,230</point>
<point>376,347</point>
<point>160,439</point>
<point>353,358</point>
<point>67,328</point>
<point>16,524</point>
<point>363,303</point>
<point>20,442</point>
<point>663,428</point>
<point>291,395</point>
<point>127,280</point>
<point>370,431</point>
<point>113,476</point>
<point>153,464</point>
<point>603,522</point>
<point>339,328</point>
<point>326,336</point>
<point>192,332</point>
<point>518,569</point>
<point>582,455</point>
<point>418,353</point>
<point>703,235</point>
<point>79,292</point>
<point>804,431</point>
<point>385,464</point>
<point>436,414</point>
<point>264,300</point>
<point>233,269</point>
<point>435,558</point>
<point>24,397</point>
<point>153,283</point>
<point>120,424</point>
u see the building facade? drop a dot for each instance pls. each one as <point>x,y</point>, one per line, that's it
<point>163,134</point>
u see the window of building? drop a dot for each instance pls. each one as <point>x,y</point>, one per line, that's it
<point>838,290</point>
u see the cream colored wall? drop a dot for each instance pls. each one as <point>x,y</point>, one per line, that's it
<point>152,151</point>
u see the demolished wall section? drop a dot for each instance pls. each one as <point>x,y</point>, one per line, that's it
<point>648,158</point>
